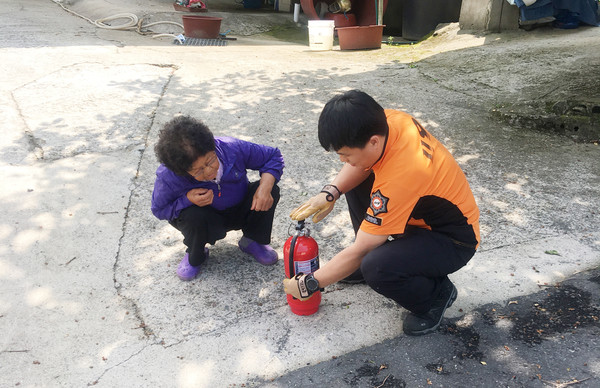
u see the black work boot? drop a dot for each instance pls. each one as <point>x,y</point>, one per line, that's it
<point>421,324</point>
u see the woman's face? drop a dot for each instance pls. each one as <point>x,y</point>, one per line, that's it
<point>205,168</point>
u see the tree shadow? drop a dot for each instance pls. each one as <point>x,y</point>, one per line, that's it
<point>88,214</point>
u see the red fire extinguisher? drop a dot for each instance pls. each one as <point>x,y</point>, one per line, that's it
<point>301,255</point>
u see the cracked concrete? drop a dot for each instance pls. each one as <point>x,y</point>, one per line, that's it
<point>89,294</point>
<point>78,131</point>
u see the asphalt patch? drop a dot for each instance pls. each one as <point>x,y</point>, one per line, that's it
<point>437,368</point>
<point>468,341</point>
<point>595,279</point>
<point>565,308</point>
<point>543,339</point>
<point>376,376</point>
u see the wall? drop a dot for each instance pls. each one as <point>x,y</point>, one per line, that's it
<point>488,15</point>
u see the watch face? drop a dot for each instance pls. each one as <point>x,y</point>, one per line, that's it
<point>312,284</point>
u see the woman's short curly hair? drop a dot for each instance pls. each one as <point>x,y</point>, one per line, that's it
<point>181,142</point>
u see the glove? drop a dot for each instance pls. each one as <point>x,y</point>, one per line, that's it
<point>296,287</point>
<point>317,205</point>
<point>320,205</point>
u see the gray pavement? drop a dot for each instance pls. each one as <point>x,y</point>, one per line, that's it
<point>89,294</point>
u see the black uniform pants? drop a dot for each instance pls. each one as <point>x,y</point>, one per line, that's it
<point>205,225</point>
<point>410,268</point>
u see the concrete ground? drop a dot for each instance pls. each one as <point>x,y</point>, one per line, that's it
<point>89,294</point>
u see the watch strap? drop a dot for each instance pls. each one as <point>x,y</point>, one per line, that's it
<point>333,193</point>
<point>303,287</point>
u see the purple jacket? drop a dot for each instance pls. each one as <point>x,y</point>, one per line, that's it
<point>169,196</point>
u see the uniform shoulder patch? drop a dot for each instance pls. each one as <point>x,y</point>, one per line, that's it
<point>373,220</point>
<point>378,203</point>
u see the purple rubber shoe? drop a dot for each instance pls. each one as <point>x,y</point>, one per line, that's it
<point>188,272</point>
<point>263,254</point>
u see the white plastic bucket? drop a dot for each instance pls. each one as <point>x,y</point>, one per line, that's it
<point>320,34</point>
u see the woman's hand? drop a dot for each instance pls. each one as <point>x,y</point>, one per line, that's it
<point>200,197</point>
<point>262,200</point>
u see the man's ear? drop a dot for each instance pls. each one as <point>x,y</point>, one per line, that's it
<point>374,140</point>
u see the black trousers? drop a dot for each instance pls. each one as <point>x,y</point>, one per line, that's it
<point>205,225</point>
<point>410,268</point>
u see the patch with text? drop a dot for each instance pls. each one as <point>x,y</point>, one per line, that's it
<point>373,220</point>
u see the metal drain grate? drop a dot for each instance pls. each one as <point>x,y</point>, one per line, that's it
<point>201,42</point>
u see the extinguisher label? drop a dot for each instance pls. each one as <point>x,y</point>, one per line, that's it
<point>307,266</point>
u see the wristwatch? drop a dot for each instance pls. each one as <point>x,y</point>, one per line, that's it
<point>312,284</point>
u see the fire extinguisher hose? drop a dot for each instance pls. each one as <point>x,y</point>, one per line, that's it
<point>291,258</point>
<point>299,228</point>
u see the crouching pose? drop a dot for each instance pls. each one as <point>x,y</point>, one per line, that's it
<point>202,189</point>
<point>415,217</point>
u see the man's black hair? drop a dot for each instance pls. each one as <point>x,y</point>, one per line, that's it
<point>349,120</point>
<point>181,141</point>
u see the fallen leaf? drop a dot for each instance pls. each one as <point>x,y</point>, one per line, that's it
<point>552,252</point>
<point>513,302</point>
<point>483,363</point>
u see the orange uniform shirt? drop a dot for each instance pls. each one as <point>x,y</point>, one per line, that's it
<point>418,182</point>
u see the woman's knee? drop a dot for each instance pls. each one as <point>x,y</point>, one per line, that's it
<point>275,193</point>
<point>196,216</point>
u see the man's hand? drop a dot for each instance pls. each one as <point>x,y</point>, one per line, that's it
<point>296,287</point>
<point>317,205</point>
<point>200,197</point>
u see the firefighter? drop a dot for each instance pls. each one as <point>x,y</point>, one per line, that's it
<point>415,217</point>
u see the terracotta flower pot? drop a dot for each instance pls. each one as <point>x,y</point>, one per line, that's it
<point>360,37</point>
<point>203,27</point>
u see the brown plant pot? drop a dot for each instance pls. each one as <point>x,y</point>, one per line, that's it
<point>203,27</point>
<point>360,37</point>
